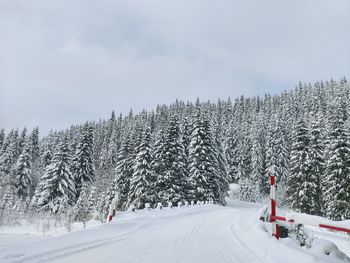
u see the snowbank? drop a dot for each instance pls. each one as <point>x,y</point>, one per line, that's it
<point>196,234</point>
<point>46,228</point>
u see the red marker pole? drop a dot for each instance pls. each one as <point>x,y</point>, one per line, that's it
<point>110,213</point>
<point>111,210</point>
<point>272,181</point>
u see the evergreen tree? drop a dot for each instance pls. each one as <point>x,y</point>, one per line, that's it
<point>34,136</point>
<point>83,167</point>
<point>2,137</point>
<point>82,210</point>
<point>282,153</point>
<point>7,203</point>
<point>203,163</point>
<point>232,154</point>
<point>186,139</point>
<point>56,190</point>
<point>158,153</point>
<point>7,160</point>
<point>222,164</point>
<point>107,199</point>
<point>9,139</point>
<point>317,162</point>
<point>142,181</point>
<point>186,135</point>
<point>92,200</point>
<point>257,166</point>
<point>124,172</point>
<point>107,158</point>
<point>23,173</point>
<point>171,180</point>
<point>15,144</point>
<point>302,185</point>
<point>46,151</point>
<point>248,190</point>
<point>244,153</point>
<point>337,181</point>
<point>277,150</point>
<point>22,141</point>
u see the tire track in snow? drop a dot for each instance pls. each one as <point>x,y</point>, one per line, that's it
<point>228,242</point>
<point>245,227</point>
<point>199,234</point>
<point>56,254</point>
<point>244,247</point>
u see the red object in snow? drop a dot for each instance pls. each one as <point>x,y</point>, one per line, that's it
<point>274,217</point>
<point>272,180</point>
<point>282,218</point>
<point>335,228</point>
<point>109,218</point>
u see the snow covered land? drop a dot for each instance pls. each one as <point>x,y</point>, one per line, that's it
<point>201,233</point>
<point>167,131</point>
<point>179,154</point>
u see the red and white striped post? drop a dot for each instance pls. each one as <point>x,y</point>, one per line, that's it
<point>272,181</point>
<point>315,221</point>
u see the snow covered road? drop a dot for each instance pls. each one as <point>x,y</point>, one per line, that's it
<point>206,233</point>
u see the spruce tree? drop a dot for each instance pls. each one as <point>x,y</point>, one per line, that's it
<point>232,154</point>
<point>171,180</point>
<point>158,153</point>
<point>277,155</point>
<point>107,198</point>
<point>317,162</point>
<point>92,200</point>
<point>221,164</point>
<point>83,166</point>
<point>248,190</point>
<point>46,151</point>
<point>56,190</point>
<point>244,161</point>
<point>281,149</point>
<point>7,160</point>
<point>301,187</point>
<point>2,137</point>
<point>248,184</point>
<point>257,166</point>
<point>118,187</point>
<point>337,181</point>
<point>202,162</point>
<point>107,158</point>
<point>22,140</point>
<point>186,135</point>
<point>82,210</point>
<point>34,137</point>
<point>23,173</point>
<point>142,180</point>
<point>124,172</point>
<point>186,139</point>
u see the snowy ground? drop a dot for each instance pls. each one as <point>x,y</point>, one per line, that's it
<point>205,233</point>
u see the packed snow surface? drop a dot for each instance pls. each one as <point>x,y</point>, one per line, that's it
<point>201,233</point>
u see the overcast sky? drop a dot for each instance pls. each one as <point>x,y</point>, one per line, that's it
<point>66,61</point>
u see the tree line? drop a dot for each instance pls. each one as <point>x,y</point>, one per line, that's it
<point>188,152</point>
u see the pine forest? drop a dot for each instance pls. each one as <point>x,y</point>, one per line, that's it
<point>186,152</point>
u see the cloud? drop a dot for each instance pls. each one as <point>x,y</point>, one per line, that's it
<point>64,62</point>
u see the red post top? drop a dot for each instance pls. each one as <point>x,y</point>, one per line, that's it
<point>282,218</point>
<point>272,179</point>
